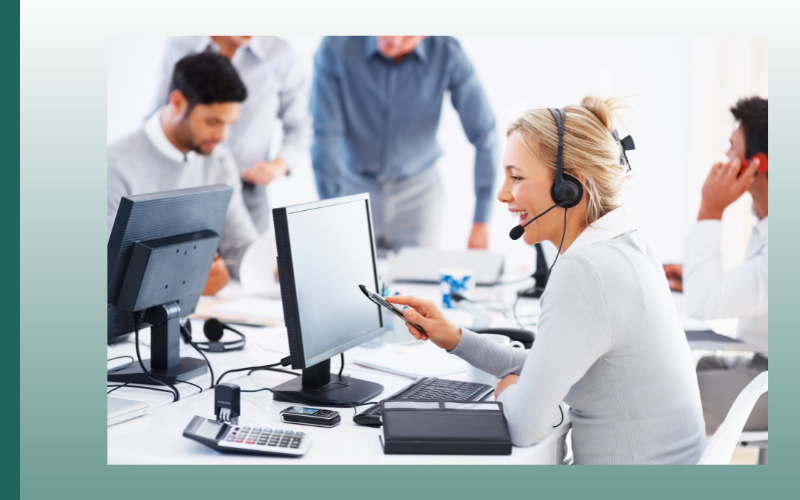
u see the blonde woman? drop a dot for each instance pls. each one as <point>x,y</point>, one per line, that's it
<point>610,343</point>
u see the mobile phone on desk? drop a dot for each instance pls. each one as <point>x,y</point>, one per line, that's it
<point>374,297</point>
<point>310,416</point>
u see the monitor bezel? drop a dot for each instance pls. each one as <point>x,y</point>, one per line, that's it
<point>286,277</point>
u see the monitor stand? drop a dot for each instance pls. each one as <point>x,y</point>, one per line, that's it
<point>318,387</point>
<point>165,351</point>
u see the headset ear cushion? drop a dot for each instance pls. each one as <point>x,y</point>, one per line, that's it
<point>213,329</point>
<point>570,191</point>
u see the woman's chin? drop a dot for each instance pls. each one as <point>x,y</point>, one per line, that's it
<point>529,238</point>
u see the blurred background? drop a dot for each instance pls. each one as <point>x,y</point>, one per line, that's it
<point>679,90</point>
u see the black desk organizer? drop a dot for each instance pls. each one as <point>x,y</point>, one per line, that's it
<point>444,428</point>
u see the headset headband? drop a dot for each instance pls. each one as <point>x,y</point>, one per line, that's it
<point>559,115</point>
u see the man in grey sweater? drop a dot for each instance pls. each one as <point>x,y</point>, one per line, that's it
<point>179,148</point>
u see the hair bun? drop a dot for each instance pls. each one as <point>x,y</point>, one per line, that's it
<point>603,109</point>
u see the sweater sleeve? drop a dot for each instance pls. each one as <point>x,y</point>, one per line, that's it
<point>489,356</point>
<point>575,330</point>
<point>238,232</point>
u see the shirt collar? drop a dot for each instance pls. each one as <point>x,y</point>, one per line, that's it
<point>762,227</point>
<point>615,223</point>
<point>159,139</point>
<point>371,48</point>
<point>258,46</point>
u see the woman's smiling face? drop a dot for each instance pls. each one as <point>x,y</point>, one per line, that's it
<point>526,191</point>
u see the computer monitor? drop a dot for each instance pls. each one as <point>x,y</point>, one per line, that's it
<point>326,249</point>
<point>159,255</point>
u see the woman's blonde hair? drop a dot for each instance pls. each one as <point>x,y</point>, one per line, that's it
<point>589,148</point>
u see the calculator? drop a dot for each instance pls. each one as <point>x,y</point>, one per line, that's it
<point>232,438</point>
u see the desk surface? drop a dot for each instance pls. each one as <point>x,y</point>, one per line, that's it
<point>157,437</point>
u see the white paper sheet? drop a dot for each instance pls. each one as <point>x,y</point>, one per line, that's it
<point>252,306</point>
<point>412,361</point>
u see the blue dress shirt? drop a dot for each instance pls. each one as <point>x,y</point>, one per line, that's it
<point>379,119</point>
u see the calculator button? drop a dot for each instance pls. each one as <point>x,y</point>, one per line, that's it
<point>294,445</point>
<point>256,428</point>
<point>239,440</point>
<point>288,432</point>
<point>283,445</point>
<point>267,430</point>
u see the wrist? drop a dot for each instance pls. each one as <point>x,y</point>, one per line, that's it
<point>709,213</point>
<point>455,339</point>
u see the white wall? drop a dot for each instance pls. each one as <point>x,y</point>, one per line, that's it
<point>680,90</point>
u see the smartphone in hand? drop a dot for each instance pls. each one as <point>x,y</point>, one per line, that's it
<point>374,297</point>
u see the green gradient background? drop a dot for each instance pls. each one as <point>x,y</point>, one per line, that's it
<point>63,245</point>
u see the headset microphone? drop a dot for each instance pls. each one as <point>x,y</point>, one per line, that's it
<point>518,231</point>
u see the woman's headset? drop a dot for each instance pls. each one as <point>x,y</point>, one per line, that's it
<point>567,191</point>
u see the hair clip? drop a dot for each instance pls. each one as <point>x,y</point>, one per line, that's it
<point>626,144</point>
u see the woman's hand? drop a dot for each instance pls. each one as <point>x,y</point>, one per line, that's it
<point>438,328</point>
<point>507,381</point>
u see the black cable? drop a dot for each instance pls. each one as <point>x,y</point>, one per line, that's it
<point>115,387</point>
<point>514,308</point>
<point>330,403</point>
<point>176,394</point>
<point>563,233</point>
<point>208,363</point>
<point>273,370</point>
<point>190,383</point>
<point>562,417</point>
<point>341,368</point>
<point>284,362</point>
<point>122,367</point>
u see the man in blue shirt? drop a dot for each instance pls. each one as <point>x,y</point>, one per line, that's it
<point>376,103</point>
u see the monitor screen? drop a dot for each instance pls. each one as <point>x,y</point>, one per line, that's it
<point>332,253</point>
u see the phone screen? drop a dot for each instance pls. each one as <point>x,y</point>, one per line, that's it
<point>374,297</point>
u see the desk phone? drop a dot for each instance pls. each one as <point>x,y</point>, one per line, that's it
<point>232,438</point>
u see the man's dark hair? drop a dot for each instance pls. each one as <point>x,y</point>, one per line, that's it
<point>751,113</point>
<point>207,78</point>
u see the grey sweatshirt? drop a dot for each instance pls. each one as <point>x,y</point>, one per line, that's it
<point>137,165</point>
<point>610,345</point>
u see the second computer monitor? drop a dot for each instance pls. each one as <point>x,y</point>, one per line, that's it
<point>325,251</point>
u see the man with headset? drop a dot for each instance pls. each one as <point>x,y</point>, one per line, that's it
<point>741,292</point>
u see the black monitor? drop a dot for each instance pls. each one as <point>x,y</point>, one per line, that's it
<point>326,249</point>
<point>159,255</point>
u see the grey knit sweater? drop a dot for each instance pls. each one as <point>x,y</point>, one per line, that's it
<point>137,166</point>
<point>610,345</point>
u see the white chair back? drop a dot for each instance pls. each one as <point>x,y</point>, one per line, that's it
<point>721,445</point>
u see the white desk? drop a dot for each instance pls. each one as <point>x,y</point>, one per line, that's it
<point>157,438</point>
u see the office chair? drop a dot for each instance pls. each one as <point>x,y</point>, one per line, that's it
<point>721,445</point>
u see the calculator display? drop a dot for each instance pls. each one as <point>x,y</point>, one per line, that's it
<point>303,411</point>
<point>209,429</point>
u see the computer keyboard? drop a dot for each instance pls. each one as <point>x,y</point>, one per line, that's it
<point>428,388</point>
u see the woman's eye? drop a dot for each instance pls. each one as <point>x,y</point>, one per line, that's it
<point>515,178</point>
